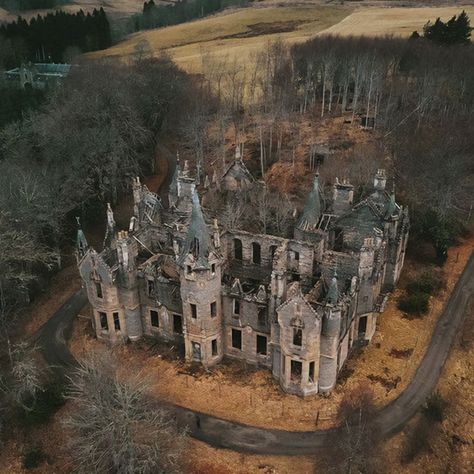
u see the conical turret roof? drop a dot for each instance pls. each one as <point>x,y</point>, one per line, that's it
<point>332,296</point>
<point>313,208</point>
<point>81,241</point>
<point>198,241</point>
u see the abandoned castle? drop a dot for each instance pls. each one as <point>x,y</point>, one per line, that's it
<point>296,306</point>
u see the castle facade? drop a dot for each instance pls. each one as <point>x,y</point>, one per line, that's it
<point>294,305</point>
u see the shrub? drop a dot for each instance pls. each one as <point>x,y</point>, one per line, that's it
<point>434,407</point>
<point>424,284</point>
<point>34,458</point>
<point>417,303</point>
<point>45,405</point>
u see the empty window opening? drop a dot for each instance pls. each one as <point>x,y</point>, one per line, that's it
<point>237,339</point>
<point>297,336</point>
<point>213,309</point>
<point>296,368</point>
<point>237,249</point>
<point>256,253</point>
<point>189,270</point>
<point>362,325</point>
<point>194,311</point>
<point>103,321</point>
<point>296,255</point>
<point>236,307</point>
<point>273,249</point>
<point>116,321</point>
<point>196,351</point>
<point>283,364</point>
<point>151,287</point>
<point>311,372</point>
<point>98,290</point>
<point>338,239</point>
<point>155,321</point>
<point>261,345</point>
<point>262,316</point>
<point>213,268</point>
<point>214,347</point>
<point>177,324</point>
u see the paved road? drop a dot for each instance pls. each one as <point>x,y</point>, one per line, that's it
<point>245,438</point>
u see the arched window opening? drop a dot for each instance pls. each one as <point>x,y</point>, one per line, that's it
<point>237,249</point>
<point>256,253</point>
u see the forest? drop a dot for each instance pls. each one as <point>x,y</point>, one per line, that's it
<point>54,37</point>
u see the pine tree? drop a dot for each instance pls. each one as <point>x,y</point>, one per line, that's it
<point>463,28</point>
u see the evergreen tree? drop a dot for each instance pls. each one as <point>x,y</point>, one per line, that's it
<point>457,30</point>
<point>463,28</point>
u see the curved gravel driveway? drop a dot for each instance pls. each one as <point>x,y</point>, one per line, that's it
<point>217,432</point>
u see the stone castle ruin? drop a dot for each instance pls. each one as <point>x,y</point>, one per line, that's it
<point>295,305</point>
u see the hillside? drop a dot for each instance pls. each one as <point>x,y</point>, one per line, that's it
<point>236,34</point>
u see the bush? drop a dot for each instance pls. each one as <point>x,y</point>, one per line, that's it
<point>34,458</point>
<point>434,407</point>
<point>44,406</point>
<point>427,283</point>
<point>417,303</point>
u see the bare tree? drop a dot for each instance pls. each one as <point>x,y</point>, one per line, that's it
<point>116,427</point>
<point>355,447</point>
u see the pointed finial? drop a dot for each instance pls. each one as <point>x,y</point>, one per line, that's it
<point>238,156</point>
<point>78,220</point>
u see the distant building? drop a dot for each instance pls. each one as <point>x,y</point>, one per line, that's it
<point>294,305</point>
<point>38,75</point>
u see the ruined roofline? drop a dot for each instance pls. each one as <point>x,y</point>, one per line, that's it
<point>281,240</point>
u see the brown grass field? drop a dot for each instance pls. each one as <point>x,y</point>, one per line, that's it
<point>232,33</point>
<point>236,35</point>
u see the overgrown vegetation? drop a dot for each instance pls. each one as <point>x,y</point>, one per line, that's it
<point>434,407</point>
<point>116,427</point>
<point>417,295</point>
<point>34,458</point>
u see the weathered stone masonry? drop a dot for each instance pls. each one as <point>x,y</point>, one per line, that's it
<point>296,306</point>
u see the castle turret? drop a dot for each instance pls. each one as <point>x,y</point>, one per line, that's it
<point>185,186</point>
<point>200,276</point>
<point>110,231</point>
<point>81,243</point>
<point>307,227</point>
<point>313,208</point>
<point>380,180</point>
<point>127,252</point>
<point>331,327</point>
<point>173,190</point>
<point>342,197</point>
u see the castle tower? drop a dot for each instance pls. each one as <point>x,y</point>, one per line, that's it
<point>181,193</point>
<point>127,252</point>
<point>110,231</point>
<point>307,226</point>
<point>380,180</point>
<point>173,190</point>
<point>81,242</point>
<point>330,331</point>
<point>342,197</point>
<point>200,276</point>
